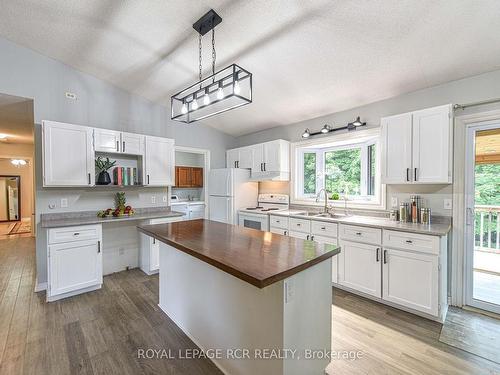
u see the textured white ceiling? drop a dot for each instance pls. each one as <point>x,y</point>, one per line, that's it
<point>309,58</point>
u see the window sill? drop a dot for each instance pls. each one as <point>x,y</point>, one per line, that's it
<point>365,205</point>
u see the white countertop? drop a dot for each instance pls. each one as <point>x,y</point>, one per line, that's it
<point>192,203</point>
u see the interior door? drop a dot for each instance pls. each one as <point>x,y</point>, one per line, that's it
<point>396,150</point>
<point>107,140</point>
<point>74,265</point>
<point>431,145</point>
<point>360,267</point>
<point>221,209</point>
<point>411,279</point>
<point>68,155</point>
<point>132,144</point>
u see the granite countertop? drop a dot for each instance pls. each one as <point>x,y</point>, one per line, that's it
<point>435,228</point>
<point>67,219</point>
<point>257,257</point>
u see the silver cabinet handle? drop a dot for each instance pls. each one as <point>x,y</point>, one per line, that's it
<point>377,256</point>
<point>358,233</point>
<point>409,241</point>
<point>123,146</point>
<point>148,179</point>
<point>154,240</point>
<point>385,256</point>
<point>76,234</point>
<point>264,167</point>
<point>98,246</point>
<point>415,174</point>
<point>117,146</point>
<point>407,174</point>
<point>312,238</point>
<point>307,237</point>
<point>285,233</point>
<point>323,228</point>
<point>238,164</point>
<point>235,163</point>
<point>89,179</point>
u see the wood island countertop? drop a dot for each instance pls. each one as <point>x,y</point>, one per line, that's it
<point>257,257</point>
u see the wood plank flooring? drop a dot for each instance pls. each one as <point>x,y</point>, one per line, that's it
<point>100,332</point>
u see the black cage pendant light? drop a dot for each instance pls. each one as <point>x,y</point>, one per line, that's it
<point>226,89</point>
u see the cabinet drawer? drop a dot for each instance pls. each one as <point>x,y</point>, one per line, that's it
<point>411,241</point>
<point>276,230</point>
<point>279,222</point>
<point>300,225</point>
<point>360,234</point>
<point>321,228</point>
<point>77,233</point>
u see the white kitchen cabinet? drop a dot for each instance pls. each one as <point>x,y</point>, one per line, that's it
<point>107,140</point>
<point>239,158</point>
<point>196,211</point>
<point>360,267</point>
<point>132,144</point>
<point>335,265</point>
<point>74,266</point>
<point>396,149</point>
<point>416,147</point>
<point>411,279</point>
<point>432,129</point>
<point>267,161</point>
<point>68,155</point>
<point>283,232</point>
<point>302,235</point>
<point>159,164</point>
<point>149,252</point>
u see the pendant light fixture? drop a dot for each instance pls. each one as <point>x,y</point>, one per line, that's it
<point>328,129</point>
<point>226,89</point>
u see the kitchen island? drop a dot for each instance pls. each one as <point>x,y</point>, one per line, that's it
<point>259,302</point>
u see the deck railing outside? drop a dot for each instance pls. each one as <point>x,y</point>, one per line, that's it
<point>487,228</point>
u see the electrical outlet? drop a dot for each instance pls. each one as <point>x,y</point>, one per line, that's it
<point>394,201</point>
<point>165,198</point>
<point>64,202</point>
<point>70,95</point>
<point>153,199</point>
<point>448,204</point>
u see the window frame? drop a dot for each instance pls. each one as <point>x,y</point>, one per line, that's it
<point>339,141</point>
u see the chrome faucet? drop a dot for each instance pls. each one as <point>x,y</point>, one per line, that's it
<point>326,208</point>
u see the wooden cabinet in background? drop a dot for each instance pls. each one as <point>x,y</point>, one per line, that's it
<point>188,177</point>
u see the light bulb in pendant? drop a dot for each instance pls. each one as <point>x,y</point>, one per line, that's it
<point>236,88</point>
<point>206,99</point>
<point>194,106</point>
<point>220,93</point>
<point>184,108</point>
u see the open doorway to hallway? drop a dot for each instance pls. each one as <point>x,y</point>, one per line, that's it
<point>17,172</point>
<point>483,266</point>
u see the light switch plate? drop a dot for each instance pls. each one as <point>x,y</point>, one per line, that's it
<point>448,204</point>
<point>394,201</point>
<point>64,202</point>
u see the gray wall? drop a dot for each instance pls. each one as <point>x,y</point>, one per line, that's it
<point>477,88</point>
<point>26,73</point>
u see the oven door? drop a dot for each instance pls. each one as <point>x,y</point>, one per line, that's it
<point>254,221</point>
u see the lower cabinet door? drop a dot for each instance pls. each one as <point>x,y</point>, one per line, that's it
<point>283,232</point>
<point>411,279</point>
<point>74,265</point>
<point>155,255</point>
<point>304,236</point>
<point>360,267</point>
<point>335,266</point>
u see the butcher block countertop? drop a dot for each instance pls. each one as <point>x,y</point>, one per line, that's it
<point>257,257</point>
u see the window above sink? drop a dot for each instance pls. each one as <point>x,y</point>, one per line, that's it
<point>347,164</point>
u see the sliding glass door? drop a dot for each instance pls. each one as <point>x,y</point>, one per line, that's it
<point>483,214</point>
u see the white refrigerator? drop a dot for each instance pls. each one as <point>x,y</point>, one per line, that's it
<point>229,189</point>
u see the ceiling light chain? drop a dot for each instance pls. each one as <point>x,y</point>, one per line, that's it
<point>214,54</point>
<point>199,53</point>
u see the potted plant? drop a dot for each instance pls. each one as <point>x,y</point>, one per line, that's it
<point>102,166</point>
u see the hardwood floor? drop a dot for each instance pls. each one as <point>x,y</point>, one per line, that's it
<point>100,332</point>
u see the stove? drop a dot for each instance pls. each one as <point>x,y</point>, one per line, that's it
<point>258,217</point>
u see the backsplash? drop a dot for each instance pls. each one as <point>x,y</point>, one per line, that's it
<point>194,194</point>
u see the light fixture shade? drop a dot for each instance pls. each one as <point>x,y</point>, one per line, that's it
<point>224,79</point>
<point>325,129</point>
<point>306,134</point>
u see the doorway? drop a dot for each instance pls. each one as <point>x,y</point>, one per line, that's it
<point>483,217</point>
<point>17,176</point>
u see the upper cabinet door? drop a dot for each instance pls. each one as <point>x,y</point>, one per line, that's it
<point>132,144</point>
<point>68,155</point>
<point>257,158</point>
<point>196,177</point>
<point>397,149</point>
<point>245,158</point>
<point>431,145</point>
<point>272,156</point>
<point>232,158</point>
<point>107,140</point>
<point>159,161</point>
<point>183,177</point>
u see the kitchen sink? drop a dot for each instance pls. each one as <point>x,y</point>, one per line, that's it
<point>322,214</point>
